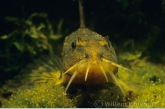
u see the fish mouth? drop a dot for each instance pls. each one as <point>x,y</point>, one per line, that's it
<point>106,67</point>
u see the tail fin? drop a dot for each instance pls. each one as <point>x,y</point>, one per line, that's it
<point>81,11</point>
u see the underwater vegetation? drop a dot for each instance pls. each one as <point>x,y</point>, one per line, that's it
<point>40,96</point>
<point>29,39</point>
<point>148,78</point>
<point>138,25</point>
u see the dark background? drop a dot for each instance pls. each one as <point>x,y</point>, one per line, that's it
<point>139,21</point>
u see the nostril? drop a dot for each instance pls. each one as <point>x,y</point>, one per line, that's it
<point>86,55</point>
<point>100,55</point>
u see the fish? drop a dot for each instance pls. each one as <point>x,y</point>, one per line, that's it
<point>89,58</point>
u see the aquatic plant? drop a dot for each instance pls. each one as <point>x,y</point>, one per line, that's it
<point>27,39</point>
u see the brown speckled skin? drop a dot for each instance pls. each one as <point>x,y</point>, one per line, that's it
<point>92,50</point>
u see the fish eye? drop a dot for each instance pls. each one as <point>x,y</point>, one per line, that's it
<point>73,45</point>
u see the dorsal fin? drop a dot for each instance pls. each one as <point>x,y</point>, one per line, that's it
<point>82,24</point>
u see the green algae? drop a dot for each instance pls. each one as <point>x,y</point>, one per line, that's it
<point>150,97</point>
<point>148,78</point>
<point>50,95</point>
<point>44,96</point>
